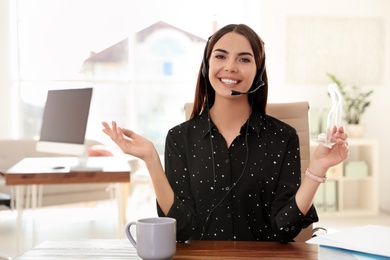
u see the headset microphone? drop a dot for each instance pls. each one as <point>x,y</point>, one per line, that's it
<point>236,93</point>
<point>259,81</point>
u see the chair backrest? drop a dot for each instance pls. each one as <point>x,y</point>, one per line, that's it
<point>296,114</point>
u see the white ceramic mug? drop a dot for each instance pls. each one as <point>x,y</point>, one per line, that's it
<point>155,237</point>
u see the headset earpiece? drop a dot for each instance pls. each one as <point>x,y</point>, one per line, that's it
<point>205,64</point>
<point>204,68</point>
<point>259,77</point>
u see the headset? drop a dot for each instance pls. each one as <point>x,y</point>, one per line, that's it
<point>215,205</point>
<point>259,83</point>
<point>259,75</point>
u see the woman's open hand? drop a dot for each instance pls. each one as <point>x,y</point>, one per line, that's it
<point>128,141</point>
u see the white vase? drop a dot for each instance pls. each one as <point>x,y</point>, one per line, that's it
<point>355,130</point>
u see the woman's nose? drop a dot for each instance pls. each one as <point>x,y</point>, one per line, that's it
<point>231,66</point>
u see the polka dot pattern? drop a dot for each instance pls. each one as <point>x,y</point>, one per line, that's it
<point>212,201</point>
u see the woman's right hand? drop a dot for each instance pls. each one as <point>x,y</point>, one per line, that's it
<point>130,142</point>
<point>140,147</point>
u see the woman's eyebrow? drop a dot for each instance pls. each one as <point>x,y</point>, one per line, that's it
<point>240,54</point>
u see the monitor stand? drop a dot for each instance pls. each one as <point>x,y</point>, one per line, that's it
<point>85,164</point>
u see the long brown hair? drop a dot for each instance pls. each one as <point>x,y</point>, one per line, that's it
<point>203,90</point>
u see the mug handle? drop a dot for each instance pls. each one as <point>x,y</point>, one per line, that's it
<point>128,234</point>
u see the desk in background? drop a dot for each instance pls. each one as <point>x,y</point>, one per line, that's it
<point>115,249</point>
<point>42,170</point>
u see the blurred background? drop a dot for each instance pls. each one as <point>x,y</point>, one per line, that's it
<point>142,59</point>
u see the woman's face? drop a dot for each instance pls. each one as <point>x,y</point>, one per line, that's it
<point>232,65</point>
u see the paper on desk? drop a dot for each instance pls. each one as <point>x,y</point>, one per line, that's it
<point>371,239</point>
<point>332,253</point>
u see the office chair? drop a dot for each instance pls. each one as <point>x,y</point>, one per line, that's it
<point>295,114</point>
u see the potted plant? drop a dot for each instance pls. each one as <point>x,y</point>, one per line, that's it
<point>355,104</point>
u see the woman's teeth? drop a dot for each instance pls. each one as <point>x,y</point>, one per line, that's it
<point>229,81</point>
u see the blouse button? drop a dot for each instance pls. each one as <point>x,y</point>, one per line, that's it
<point>227,161</point>
<point>227,188</point>
<point>228,215</point>
<point>286,229</point>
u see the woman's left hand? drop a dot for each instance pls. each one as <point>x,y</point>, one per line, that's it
<point>328,157</point>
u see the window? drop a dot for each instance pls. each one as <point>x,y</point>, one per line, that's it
<point>167,68</point>
<point>142,62</point>
<point>139,77</point>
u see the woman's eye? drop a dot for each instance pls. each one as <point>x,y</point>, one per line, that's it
<point>245,60</point>
<point>219,56</point>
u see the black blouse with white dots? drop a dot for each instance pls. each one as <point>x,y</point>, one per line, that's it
<point>212,202</point>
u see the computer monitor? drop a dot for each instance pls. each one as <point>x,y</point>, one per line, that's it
<point>64,121</point>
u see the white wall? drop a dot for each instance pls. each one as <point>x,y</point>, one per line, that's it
<point>6,92</point>
<point>273,32</point>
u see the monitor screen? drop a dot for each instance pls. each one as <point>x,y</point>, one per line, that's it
<point>64,121</point>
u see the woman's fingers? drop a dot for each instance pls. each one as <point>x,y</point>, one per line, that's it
<point>105,125</point>
<point>130,134</point>
<point>339,133</point>
<point>116,133</point>
<point>343,134</point>
<point>113,131</point>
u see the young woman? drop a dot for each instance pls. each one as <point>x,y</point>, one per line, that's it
<point>232,172</point>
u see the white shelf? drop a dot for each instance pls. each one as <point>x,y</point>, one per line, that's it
<point>349,195</point>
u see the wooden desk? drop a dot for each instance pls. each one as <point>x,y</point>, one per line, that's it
<point>42,170</point>
<point>122,249</point>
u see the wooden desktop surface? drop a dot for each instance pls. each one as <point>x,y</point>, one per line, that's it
<point>65,170</point>
<point>122,249</point>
